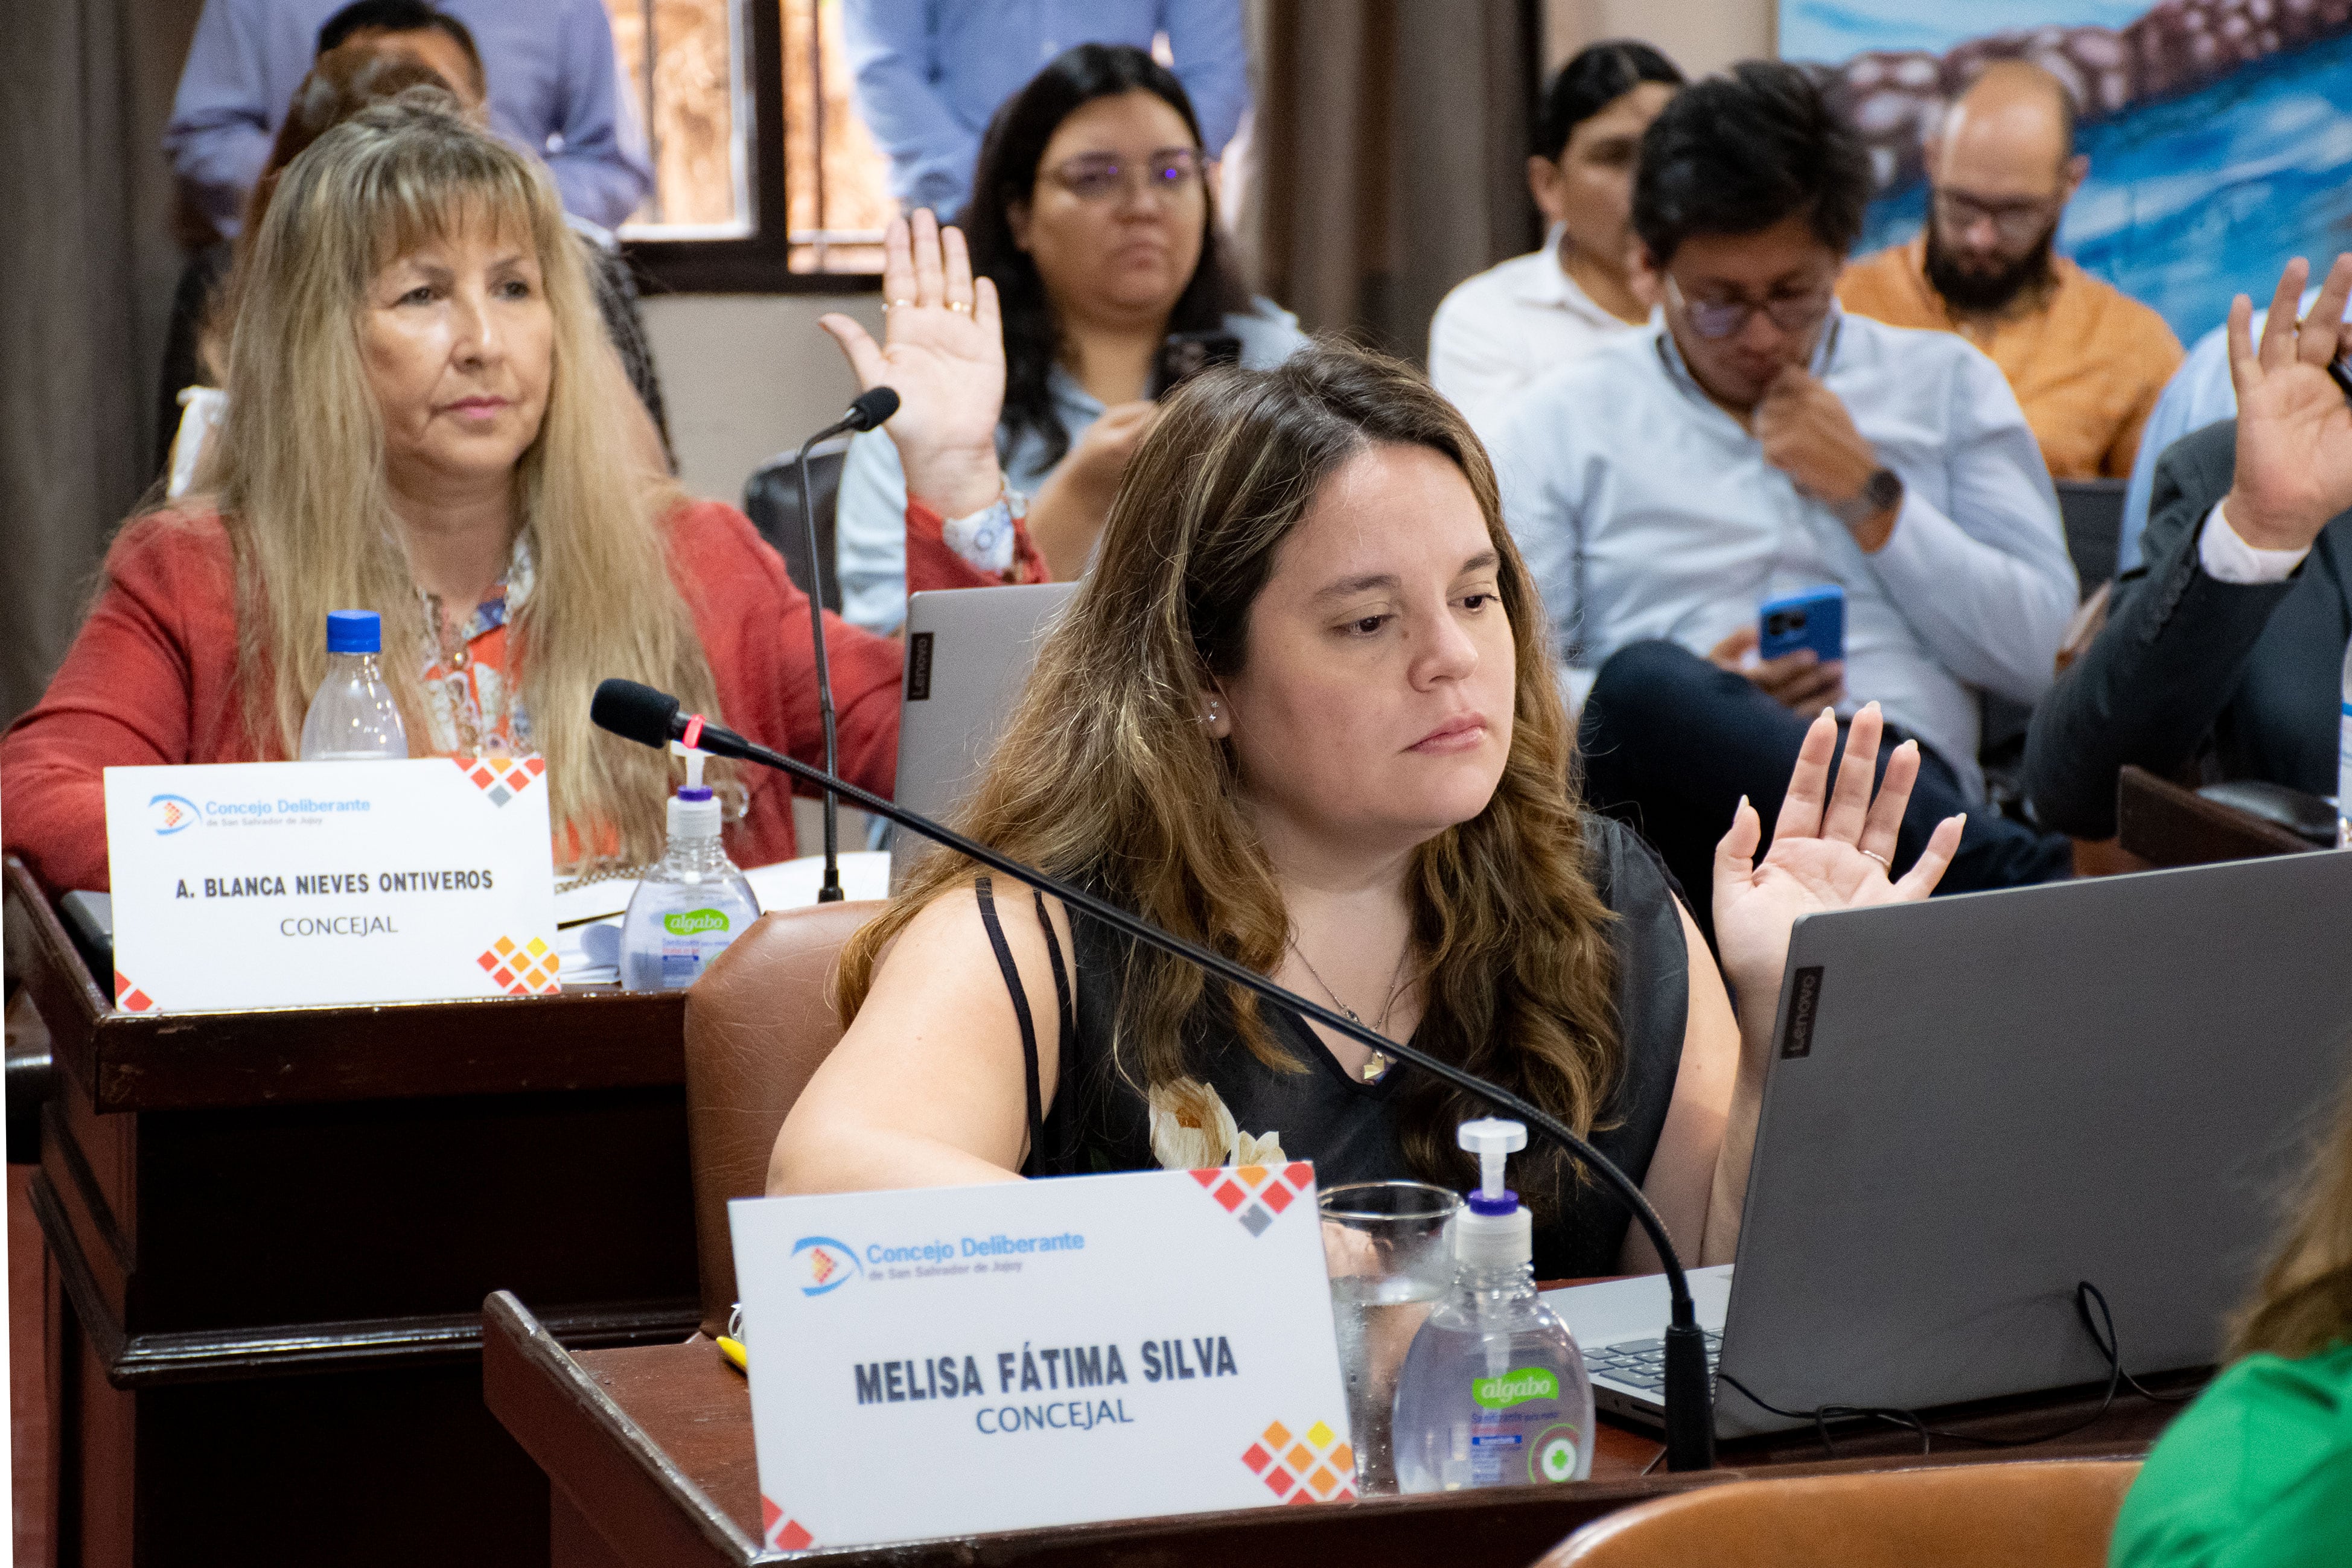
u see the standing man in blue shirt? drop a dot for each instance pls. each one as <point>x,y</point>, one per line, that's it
<point>929,73</point>
<point>1760,442</point>
<point>554,87</point>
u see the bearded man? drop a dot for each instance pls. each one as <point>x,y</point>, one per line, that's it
<point>2086,361</point>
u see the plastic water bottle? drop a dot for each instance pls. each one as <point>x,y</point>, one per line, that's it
<point>353,718</point>
<point>1494,1391</point>
<point>691,905</point>
<point>2344,761</point>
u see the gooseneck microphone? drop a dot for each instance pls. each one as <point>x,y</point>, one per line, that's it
<point>643,714</point>
<point>867,412</point>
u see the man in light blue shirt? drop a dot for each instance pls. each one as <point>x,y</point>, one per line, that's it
<point>1758,443</point>
<point>553,85</point>
<point>929,73</point>
<point>2198,394</point>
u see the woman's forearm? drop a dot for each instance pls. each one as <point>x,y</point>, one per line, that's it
<point>1728,1199</point>
<point>873,1160</point>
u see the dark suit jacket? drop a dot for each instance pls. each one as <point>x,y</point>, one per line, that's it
<point>2241,681</point>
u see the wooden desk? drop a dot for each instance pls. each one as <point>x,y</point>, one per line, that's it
<point>650,1453</point>
<point>2166,824</point>
<point>268,1234</point>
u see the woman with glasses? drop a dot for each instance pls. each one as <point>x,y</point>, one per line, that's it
<point>1093,214</point>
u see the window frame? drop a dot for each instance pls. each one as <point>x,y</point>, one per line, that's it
<point>760,261</point>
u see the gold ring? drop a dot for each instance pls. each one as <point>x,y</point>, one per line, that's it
<point>960,307</point>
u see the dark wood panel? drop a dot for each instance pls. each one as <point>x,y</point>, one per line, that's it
<point>597,1037</point>
<point>652,1447</point>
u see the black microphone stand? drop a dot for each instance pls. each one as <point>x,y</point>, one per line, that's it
<point>1689,1400</point>
<point>869,410</point>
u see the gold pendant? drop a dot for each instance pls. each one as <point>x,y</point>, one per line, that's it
<point>1377,1065</point>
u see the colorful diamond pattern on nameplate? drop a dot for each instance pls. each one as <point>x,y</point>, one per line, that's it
<point>501,778</point>
<point>782,1531</point>
<point>1255,1194</point>
<point>1312,1466</point>
<point>129,997</point>
<point>521,969</point>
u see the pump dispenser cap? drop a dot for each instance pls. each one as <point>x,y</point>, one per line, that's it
<point>354,631</point>
<point>693,811</point>
<point>1496,1231</point>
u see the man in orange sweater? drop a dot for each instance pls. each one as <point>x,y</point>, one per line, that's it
<point>2085,361</point>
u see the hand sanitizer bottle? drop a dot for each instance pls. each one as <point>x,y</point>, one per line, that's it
<point>688,907</point>
<point>1494,1391</point>
<point>353,718</point>
<point>2344,762</point>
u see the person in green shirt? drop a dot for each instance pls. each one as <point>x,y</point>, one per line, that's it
<point>2258,1472</point>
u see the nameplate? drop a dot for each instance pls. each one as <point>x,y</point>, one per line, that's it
<point>948,1360</point>
<point>272,884</point>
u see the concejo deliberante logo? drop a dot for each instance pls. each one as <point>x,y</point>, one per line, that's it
<point>1515,1387</point>
<point>173,814</point>
<point>693,922</point>
<point>825,1264</point>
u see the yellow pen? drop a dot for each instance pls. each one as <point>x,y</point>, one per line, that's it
<point>732,1349</point>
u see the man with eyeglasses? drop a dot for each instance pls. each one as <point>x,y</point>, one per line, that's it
<point>2086,361</point>
<point>1760,442</point>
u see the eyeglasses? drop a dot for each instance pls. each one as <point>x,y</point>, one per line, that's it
<point>1101,177</point>
<point>1728,318</point>
<point>2016,222</point>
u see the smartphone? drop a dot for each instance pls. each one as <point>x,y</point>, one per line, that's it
<point>1186,355</point>
<point>1815,619</point>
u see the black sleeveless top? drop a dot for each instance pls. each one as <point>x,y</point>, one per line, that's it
<point>1100,1119</point>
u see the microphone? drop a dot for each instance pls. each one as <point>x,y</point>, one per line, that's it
<point>869,409</point>
<point>642,714</point>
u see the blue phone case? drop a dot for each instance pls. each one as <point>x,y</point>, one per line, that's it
<point>1815,619</point>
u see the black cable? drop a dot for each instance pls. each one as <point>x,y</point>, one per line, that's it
<point>2110,1345</point>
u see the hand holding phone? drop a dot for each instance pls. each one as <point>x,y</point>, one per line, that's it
<point>1814,619</point>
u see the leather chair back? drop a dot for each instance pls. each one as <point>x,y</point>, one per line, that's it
<point>758,1024</point>
<point>2051,1513</point>
<point>771,500</point>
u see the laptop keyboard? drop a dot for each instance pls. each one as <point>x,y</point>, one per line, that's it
<point>1642,1363</point>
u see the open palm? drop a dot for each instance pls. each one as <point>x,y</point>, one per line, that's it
<point>942,351</point>
<point>1830,851</point>
<point>2295,425</point>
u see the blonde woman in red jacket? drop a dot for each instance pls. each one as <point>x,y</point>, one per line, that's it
<point>426,421</point>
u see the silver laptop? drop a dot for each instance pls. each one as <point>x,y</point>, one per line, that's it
<point>1977,1101</point>
<point>969,653</point>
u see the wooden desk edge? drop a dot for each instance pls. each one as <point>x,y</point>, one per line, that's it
<point>282,1056</point>
<point>649,1510</point>
<point>587,1445</point>
<point>2167,825</point>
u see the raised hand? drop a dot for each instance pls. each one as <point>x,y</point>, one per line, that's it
<point>942,351</point>
<point>2294,426</point>
<point>1830,851</point>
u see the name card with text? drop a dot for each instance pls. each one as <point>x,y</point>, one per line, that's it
<point>271,884</point>
<point>949,1361</point>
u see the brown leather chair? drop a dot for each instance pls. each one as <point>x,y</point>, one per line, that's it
<point>2047,1513</point>
<point>758,1024</point>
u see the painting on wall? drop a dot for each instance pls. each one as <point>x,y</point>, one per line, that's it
<point>2219,131</point>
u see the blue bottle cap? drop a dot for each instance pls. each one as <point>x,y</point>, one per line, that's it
<point>354,631</point>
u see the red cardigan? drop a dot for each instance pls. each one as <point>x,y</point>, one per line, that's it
<point>150,679</point>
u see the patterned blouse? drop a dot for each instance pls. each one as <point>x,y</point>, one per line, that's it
<point>472,704</point>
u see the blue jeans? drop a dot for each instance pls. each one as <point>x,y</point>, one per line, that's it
<point>1670,742</point>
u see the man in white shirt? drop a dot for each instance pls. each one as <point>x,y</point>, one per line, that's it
<point>1497,333</point>
<point>2225,646</point>
<point>1758,442</point>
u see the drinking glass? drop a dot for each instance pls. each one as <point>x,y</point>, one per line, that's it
<point>1389,1247</point>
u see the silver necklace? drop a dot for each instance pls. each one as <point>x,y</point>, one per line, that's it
<point>1377,1065</point>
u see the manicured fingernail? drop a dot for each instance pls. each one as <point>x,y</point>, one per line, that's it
<point>1828,712</point>
<point>1740,807</point>
<point>1908,746</point>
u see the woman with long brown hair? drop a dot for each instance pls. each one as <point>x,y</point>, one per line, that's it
<point>1301,712</point>
<point>425,419</point>
<point>2258,1472</point>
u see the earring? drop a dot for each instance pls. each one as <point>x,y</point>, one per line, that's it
<point>1210,713</point>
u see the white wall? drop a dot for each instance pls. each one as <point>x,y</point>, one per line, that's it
<point>747,375</point>
<point>1700,35</point>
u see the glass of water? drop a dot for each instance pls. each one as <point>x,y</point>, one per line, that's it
<point>1388,1247</point>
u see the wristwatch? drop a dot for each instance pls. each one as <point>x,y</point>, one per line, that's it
<point>1881,493</point>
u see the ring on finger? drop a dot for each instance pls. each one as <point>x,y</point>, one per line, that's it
<point>890,305</point>
<point>1873,855</point>
<point>961,307</point>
